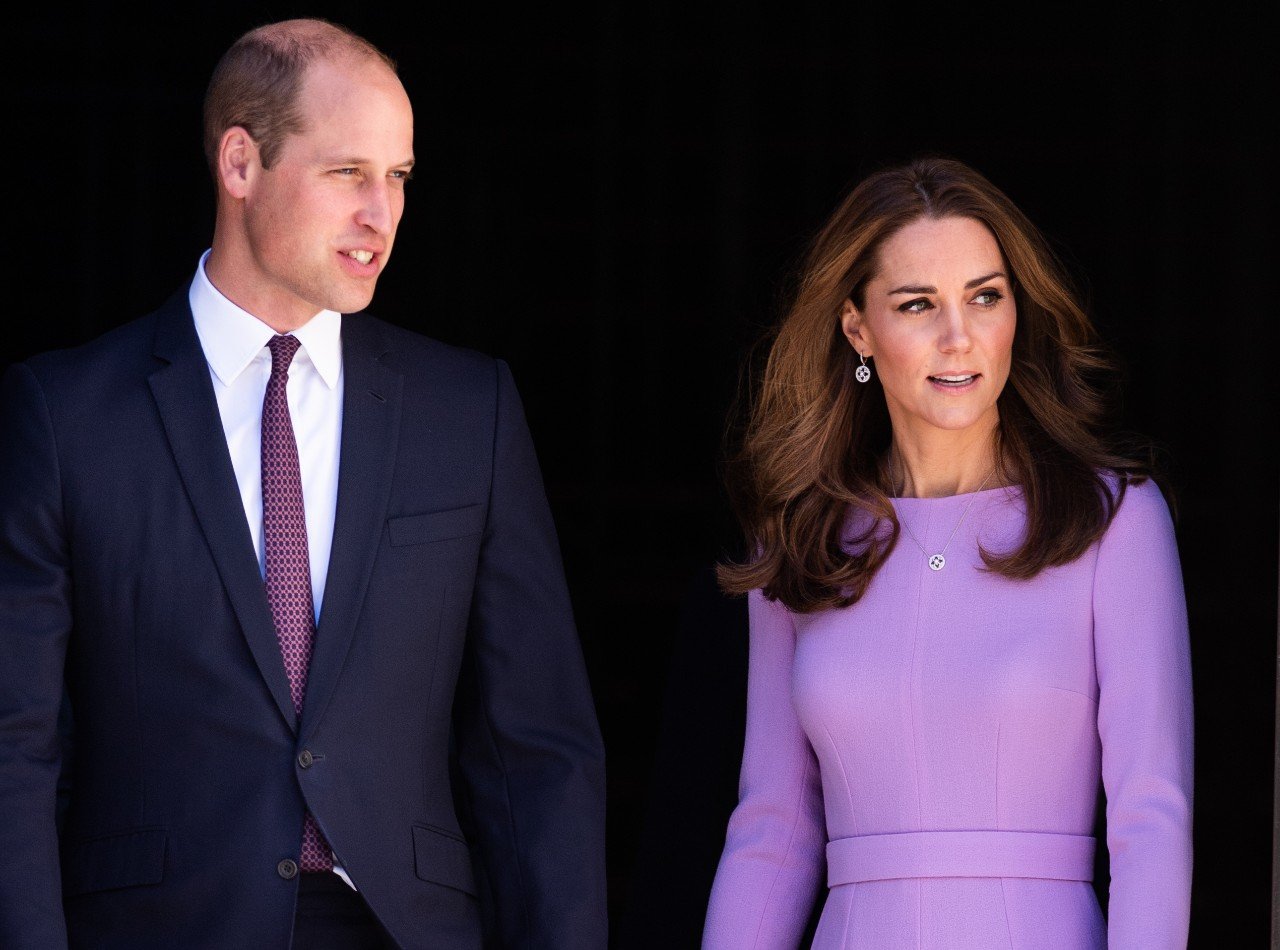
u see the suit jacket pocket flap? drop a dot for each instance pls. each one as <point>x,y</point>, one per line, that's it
<point>124,860</point>
<point>442,859</point>
<point>436,525</point>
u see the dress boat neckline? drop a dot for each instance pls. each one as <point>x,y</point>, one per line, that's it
<point>896,499</point>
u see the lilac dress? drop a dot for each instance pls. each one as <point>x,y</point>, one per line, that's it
<point>932,754</point>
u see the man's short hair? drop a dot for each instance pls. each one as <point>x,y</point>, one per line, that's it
<point>256,83</point>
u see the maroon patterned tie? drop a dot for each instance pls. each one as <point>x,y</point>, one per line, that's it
<point>288,574</point>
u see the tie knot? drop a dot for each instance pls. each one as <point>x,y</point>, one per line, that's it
<point>282,349</point>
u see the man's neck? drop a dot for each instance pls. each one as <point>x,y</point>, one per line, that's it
<point>281,311</point>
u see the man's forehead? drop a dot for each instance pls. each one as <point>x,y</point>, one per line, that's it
<point>332,78</point>
<point>339,100</point>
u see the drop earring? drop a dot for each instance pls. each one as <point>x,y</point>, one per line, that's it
<point>863,372</point>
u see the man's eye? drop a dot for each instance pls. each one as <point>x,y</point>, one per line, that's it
<point>346,171</point>
<point>402,175</point>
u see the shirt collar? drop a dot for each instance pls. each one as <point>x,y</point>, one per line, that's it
<point>232,337</point>
<point>321,338</point>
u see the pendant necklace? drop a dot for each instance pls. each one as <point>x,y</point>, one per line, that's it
<point>938,561</point>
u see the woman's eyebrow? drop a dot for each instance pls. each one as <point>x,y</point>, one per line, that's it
<point>982,280</point>
<point>914,289</point>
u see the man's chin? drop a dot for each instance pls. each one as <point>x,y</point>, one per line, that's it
<point>351,302</point>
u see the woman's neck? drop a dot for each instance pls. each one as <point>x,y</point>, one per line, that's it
<point>940,463</point>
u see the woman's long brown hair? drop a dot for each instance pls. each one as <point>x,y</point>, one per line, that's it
<point>816,441</point>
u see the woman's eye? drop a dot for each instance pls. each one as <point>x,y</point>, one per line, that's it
<point>989,298</point>
<point>919,305</point>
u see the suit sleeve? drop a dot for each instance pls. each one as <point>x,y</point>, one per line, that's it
<point>529,747</point>
<point>35,621</point>
<point>1145,724</point>
<point>770,873</point>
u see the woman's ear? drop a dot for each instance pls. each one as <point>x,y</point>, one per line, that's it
<point>851,324</point>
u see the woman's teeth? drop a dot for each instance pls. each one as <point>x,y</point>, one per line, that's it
<point>953,380</point>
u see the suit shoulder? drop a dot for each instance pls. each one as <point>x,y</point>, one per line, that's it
<point>120,349</point>
<point>409,344</point>
<point>415,354</point>
<point>101,374</point>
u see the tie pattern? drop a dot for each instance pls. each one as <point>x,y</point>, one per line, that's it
<point>288,565</point>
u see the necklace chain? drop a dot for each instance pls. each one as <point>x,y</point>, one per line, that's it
<point>938,561</point>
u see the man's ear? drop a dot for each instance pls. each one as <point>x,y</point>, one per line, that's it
<point>238,161</point>
<point>851,324</point>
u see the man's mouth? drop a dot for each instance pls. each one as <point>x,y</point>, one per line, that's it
<point>364,257</point>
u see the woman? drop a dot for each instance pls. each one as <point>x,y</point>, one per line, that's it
<point>966,605</point>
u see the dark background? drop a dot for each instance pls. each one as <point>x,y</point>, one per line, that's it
<point>612,198</point>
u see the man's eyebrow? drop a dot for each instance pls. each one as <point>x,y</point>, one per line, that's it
<point>914,289</point>
<point>353,160</point>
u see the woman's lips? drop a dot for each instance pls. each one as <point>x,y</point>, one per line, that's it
<point>955,382</point>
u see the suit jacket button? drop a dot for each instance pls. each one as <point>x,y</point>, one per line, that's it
<point>305,758</point>
<point>287,869</point>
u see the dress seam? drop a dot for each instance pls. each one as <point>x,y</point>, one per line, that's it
<point>915,737</point>
<point>795,822</point>
<point>912,700</point>
<point>996,781</point>
<point>848,920</point>
<point>1004,909</point>
<point>1074,692</point>
<point>844,775</point>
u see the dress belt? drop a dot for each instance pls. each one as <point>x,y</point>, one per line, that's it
<point>960,854</point>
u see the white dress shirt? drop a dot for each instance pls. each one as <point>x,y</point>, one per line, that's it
<point>235,344</point>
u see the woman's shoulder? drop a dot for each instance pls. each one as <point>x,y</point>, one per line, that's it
<point>1140,496</point>
<point>1142,514</point>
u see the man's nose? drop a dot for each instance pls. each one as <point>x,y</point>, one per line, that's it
<point>376,211</point>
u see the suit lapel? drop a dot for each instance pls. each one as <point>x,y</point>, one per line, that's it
<point>371,401</point>
<point>184,394</point>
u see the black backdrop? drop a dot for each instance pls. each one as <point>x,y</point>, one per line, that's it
<point>611,197</point>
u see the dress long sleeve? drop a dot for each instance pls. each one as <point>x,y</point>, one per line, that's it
<point>1145,724</point>
<point>773,861</point>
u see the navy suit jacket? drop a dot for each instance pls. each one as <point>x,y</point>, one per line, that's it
<point>453,758</point>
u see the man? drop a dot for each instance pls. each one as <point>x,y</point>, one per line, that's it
<point>292,577</point>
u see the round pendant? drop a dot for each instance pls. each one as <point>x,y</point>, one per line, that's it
<point>937,562</point>
<point>862,374</point>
